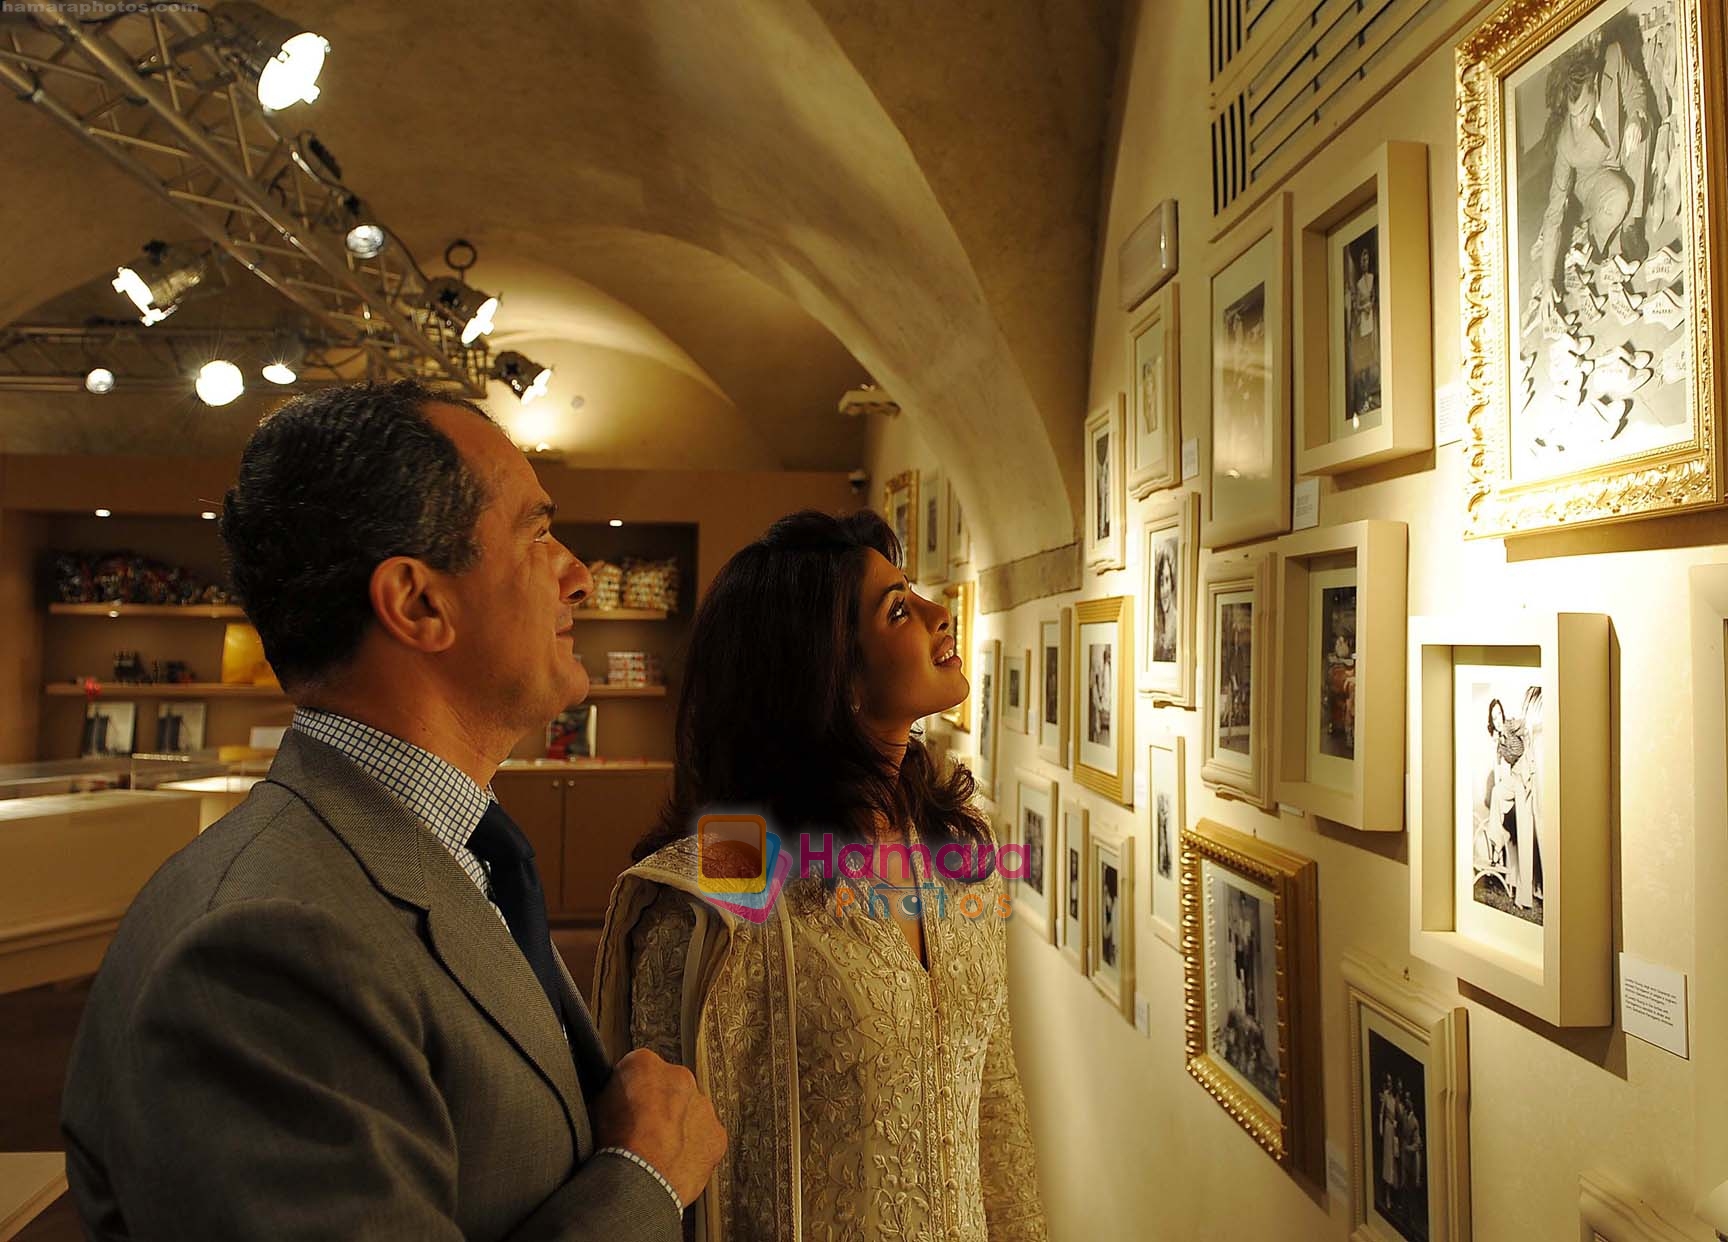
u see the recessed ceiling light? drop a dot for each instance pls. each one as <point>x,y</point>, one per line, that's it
<point>104,513</point>
<point>616,522</point>
<point>208,516</point>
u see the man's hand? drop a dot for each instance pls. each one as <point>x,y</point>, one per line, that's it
<point>653,1108</point>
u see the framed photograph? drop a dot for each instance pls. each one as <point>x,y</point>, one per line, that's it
<point>1509,854</point>
<point>958,597</point>
<point>1236,705</point>
<point>1363,299</point>
<point>1170,567</point>
<point>933,525</point>
<point>1154,430</point>
<point>1249,493</point>
<point>900,507</point>
<point>1110,925</point>
<point>1249,942</point>
<point>1164,790</point>
<point>574,733</point>
<point>1103,708</point>
<point>1105,498</point>
<point>959,533</point>
<point>1609,1211</point>
<point>109,729</point>
<point>1017,691</point>
<point>1591,169</point>
<point>1036,806</point>
<point>985,690</point>
<point>180,728</point>
<point>1054,656</point>
<point>1409,1109</point>
<point>1073,896</point>
<point>1342,631</point>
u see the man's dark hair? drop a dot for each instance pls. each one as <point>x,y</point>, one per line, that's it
<point>331,485</point>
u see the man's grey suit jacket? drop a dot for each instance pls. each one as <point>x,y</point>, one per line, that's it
<point>312,1024</point>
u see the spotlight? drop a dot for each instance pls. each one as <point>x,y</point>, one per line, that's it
<point>104,513</point>
<point>526,378</point>
<point>287,355</point>
<point>616,522</point>
<point>469,309</point>
<point>284,58</point>
<point>99,381</point>
<point>208,515</point>
<point>363,235</point>
<point>159,278</point>
<point>219,382</point>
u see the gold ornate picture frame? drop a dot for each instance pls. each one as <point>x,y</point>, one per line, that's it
<point>1154,432</point>
<point>900,507</point>
<point>1590,299</point>
<point>1103,704</point>
<point>958,596</point>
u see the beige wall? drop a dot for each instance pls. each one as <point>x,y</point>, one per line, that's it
<point>1129,1145</point>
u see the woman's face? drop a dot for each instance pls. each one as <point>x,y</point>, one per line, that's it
<point>910,667</point>
<point>1497,717</point>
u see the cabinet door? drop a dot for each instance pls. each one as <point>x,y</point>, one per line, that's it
<point>535,801</point>
<point>605,814</point>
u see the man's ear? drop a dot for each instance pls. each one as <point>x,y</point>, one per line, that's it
<point>412,605</point>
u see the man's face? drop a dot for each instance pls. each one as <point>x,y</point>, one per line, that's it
<point>513,614</point>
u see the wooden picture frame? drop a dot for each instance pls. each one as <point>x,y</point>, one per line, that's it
<point>933,529</point>
<point>1037,805</point>
<point>1017,691</point>
<point>1609,1211</point>
<point>1409,1079</point>
<point>988,693</point>
<point>1073,866</point>
<point>1342,633</point>
<point>1170,575</point>
<point>1153,431</point>
<point>1106,497</point>
<point>1055,658</point>
<point>1103,708</point>
<point>1110,932</point>
<point>1236,721</point>
<point>958,596</point>
<point>1256,904</point>
<point>1535,929</point>
<point>1590,354</point>
<point>1362,300</point>
<point>1248,495</point>
<point>900,507</point>
<point>1166,817</point>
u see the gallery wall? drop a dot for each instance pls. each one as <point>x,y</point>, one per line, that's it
<point>1129,1145</point>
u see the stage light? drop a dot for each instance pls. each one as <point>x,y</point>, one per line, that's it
<point>219,382</point>
<point>364,236</point>
<point>104,513</point>
<point>469,309</point>
<point>616,522</point>
<point>287,355</point>
<point>281,55</point>
<point>159,278</point>
<point>100,380</point>
<point>208,515</point>
<point>525,377</point>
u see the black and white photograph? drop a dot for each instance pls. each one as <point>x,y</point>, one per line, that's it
<point>1110,930</point>
<point>1052,671</point>
<point>1356,256</point>
<point>1398,1140</point>
<point>1101,484</point>
<point>1103,717</point>
<point>1074,865</point>
<point>1164,790</point>
<point>179,728</point>
<point>1052,681</point>
<point>1072,901</point>
<point>1336,727</point>
<point>1240,433</point>
<point>1243,1001</point>
<point>932,525</point>
<point>1017,691</point>
<point>1233,679</point>
<point>1109,901</point>
<point>1100,693</point>
<point>109,729</point>
<point>985,687</point>
<point>1032,829</point>
<point>1105,489</point>
<point>1166,594</point>
<point>1499,726</point>
<point>1164,815</point>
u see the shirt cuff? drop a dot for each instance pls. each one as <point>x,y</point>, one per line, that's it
<point>653,1172</point>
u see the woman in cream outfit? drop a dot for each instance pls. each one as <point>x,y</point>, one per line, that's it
<point>852,1032</point>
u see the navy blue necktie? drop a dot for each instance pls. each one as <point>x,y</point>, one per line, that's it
<point>509,859</point>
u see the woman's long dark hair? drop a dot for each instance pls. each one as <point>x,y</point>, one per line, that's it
<point>765,718</point>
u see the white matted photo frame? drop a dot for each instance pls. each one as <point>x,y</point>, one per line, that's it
<point>1590,330</point>
<point>1073,892</point>
<point>1250,967</point>
<point>1509,851</point>
<point>1168,815</point>
<point>900,507</point>
<point>110,729</point>
<point>1017,690</point>
<point>1110,918</point>
<point>1362,300</point>
<point>1236,607</point>
<point>1106,502</point>
<point>1342,632</point>
<point>180,727</point>
<point>1248,496</point>
<point>1103,706</point>
<point>1154,423</point>
<point>1037,803</point>
<point>1170,572</point>
<point>933,564</point>
<point>1409,1109</point>
<point>987,693</point>
<point>958,598</point>
<point>1053,673</point>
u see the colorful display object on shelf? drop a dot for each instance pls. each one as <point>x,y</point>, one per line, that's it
<point>127,578</point>
<point>633,669</point>
<point>243,662</point>
<point>608,590</point>
<point>574,733</point>
<point>651,585</point>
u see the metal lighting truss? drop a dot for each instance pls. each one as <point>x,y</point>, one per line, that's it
<point>153,92</point>
<point>57,357</point>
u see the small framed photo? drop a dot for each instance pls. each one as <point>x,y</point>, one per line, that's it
<point>900,507</point>
<point>1363,299</point>
<point>1036,805</point>
<point>1250,964</point>
<point>1103,707</point>
<point>1110,925</point>
<point>1249,492</point>
<point>959,533</point>
<point>1054,657</point>
<point>1105,501</point>
<point>1154,431</point>
<point>1342,631</point>
<point>1169,817</point>
<point>1017,691</point>
<point>1509,851</point>
<point>1236,712</point>
<point>574,733</point>
<point>1073,893</point>
<point>180,728</point>
<point>958,597</point>
<point>109,729</point>
<point>933,526</point>
<point>1170,568</point>
<point>1409,1109</point>
<point>985,689</point>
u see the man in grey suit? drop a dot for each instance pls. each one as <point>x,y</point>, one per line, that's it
<point>338,1014</point>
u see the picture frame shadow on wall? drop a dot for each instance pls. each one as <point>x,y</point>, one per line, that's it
<point>1342,633</point>
<point>1236,703</point>
<point>900,507</point>
<point>1364,367</point>
<point>1055,657</point>
<point>1017,691</point>
<point>1073,870</point>
<point>1037,803</point>
<point>1103,745</point>
<point>1252,990</point>
<point>1167,814</point>
<point>958,598</point>
<point>1154,430</point>
<point>1591,326</point>
<point>1110,931</point>
<point>1248,493</point>
<point>1509,746</point>
<point>1609,1211</point>
<point>987,693</point>
<point>1105,496</point>
<point>1170,572</point>
<point>933,561</point>
<point>1409,1108</point>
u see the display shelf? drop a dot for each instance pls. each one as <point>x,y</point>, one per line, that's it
<point>184,612</point>
<point>165,690</point>
<point>602,691</point>
<point>621,614</point>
